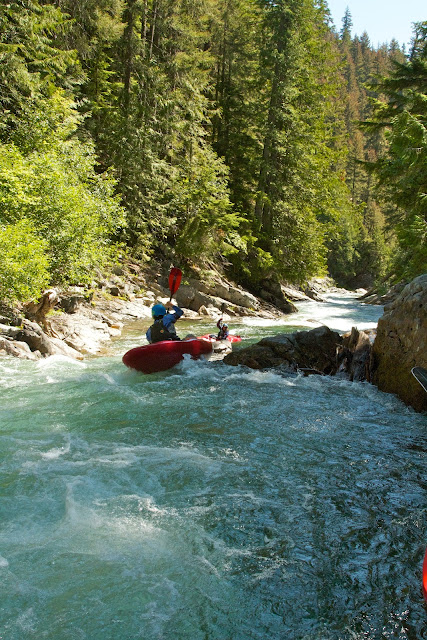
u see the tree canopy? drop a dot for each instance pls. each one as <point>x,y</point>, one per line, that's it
<point>220,130</point>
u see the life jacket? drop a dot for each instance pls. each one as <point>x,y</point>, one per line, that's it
<point>159,332</point>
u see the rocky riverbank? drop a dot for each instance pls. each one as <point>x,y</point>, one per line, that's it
<point>79,322</point>
<point>384,357</point>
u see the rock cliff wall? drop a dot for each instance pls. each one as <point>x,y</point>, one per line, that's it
<point>401,344</point>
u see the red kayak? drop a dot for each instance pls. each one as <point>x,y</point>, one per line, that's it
<point>425,576</point>
<point>160,356</point>
<point>213,338</point>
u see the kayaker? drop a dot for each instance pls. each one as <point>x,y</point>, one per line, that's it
<point>223,330</point>
<point>163,327</point>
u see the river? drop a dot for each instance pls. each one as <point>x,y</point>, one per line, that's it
<point>209,502</point>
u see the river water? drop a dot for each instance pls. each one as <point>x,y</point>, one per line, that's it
<point>209,502</point>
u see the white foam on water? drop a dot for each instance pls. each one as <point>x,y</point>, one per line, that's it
<point>59,361</point>
<point>340,312</point>
<point>261,377</point>
<point>90,526</point>
<point>3,562</point>
<point>57,452</point>
<point>208,500</point>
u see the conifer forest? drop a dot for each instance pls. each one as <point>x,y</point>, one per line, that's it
<point>249,134</point>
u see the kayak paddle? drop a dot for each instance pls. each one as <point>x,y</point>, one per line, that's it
<point>420,374</point>
<point>174,281</point>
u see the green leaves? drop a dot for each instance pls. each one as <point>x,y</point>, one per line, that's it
<point>216,127</point>
<point>30,64</point>
<point>72,210</point>
<point>24,264</point>
<point>402,170</point>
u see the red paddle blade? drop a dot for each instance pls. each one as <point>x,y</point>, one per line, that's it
<point>174,280</point>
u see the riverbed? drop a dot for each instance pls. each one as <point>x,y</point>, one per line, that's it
<point>209,502</point>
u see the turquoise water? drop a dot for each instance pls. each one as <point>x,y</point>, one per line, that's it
<point>209,502</point>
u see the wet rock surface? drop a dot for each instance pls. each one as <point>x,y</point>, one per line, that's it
<point>385,356</point>
<point>313,351</point>
<point>401,344</point>
<point>78,322</point>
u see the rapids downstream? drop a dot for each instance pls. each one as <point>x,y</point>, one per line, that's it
<point>209,502</point>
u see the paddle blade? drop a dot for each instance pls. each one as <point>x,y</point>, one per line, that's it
<point>174,280</point>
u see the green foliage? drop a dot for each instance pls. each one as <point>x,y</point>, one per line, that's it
<point>226,129</point>
<point>24,265</point>
<point>30,63</point>
<point>402,170</point>
<point>203,210</point>
<point>55,187</point>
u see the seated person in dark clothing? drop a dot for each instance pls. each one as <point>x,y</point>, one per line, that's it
<point>163,327</point>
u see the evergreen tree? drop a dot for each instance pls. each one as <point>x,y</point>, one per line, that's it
<point>361,65</point>
<point>238,94</point>
<point>299,171</point>
<point>30,64</point>
<point>49,189</point>
<point>402,170</point>
<point>347,25</point>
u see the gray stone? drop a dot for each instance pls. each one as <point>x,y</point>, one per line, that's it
<point>401,344</point>
<point>311,350</point>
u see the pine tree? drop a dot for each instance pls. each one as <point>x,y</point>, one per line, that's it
<point>30,64</point>
<point>299,168</point>
<point>347,25</point>
<point>402,170</point>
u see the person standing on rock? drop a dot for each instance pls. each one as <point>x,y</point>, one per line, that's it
<point>163,327</point>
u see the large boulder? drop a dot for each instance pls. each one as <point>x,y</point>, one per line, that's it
<point>218,295</point>
<point>80,332</point>
<point>30,342</point>
<point>354,354</point>
<point>401,344</point>
<point>274,293</point>
<point>36,338</point>
<point>17,349</point>
<point>311,351</point>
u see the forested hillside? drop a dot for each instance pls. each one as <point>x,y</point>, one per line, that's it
<point>245,133</point>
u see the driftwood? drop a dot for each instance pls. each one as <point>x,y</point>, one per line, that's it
<point>37,311</point>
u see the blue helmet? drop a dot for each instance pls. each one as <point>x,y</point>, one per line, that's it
<point>158,311</point>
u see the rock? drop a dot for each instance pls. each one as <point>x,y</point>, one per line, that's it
<point>9,330</point>
<point>315,349</point>
<point>315,287</point>
<point>31,342</point>
<point>195,293</point>
<point>354,354</point>
<point>118,270</point>
<point>36,338</point>
<point>215,290</point>
<point>80,332</point>
<point>292,293</point>
<point>70,304</point>
<point>62,348</point>
<point>400,345</point>
<point>274,293</point>
<point>17,349</point>
<point>374,297</point>
<point>10,316</point>
<point>237,296</point>
<point>203,311</point>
